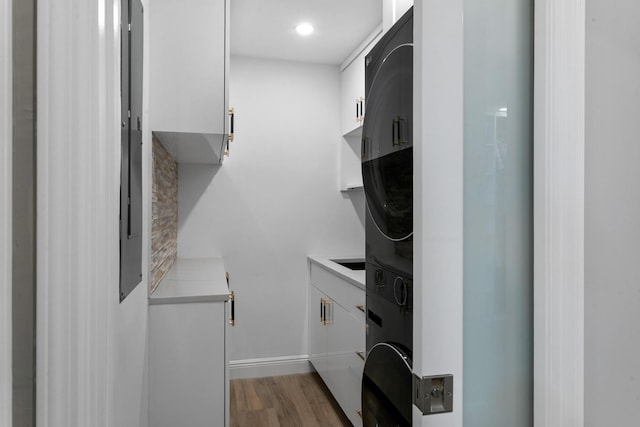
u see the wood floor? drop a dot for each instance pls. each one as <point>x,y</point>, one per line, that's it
<point>286,401</point>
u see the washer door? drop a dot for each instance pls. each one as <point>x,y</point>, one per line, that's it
<point>387,145</point>
<point>386,387</point>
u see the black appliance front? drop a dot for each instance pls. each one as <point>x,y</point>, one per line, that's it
<point>387,150</point>
<point>386,387</point>
<point>387,174</point>
<point>389,309</point>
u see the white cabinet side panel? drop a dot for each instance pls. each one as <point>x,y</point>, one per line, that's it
<point>187,364</point>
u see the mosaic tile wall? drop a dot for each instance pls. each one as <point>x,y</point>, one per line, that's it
<point>164,210</point>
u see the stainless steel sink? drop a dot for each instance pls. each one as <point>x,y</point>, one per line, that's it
<point>350,264</point>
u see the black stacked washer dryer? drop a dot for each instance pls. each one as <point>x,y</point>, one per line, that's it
<point>387,170</point>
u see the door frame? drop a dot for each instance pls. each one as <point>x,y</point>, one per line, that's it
<point>558,211</point>
<point>6,184</point>
<point>559,141</point>
<point>559,156</point>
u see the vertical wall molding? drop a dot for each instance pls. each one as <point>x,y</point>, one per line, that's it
<point>6,158</point>
<point>559,146</point>
<point>78,198</point>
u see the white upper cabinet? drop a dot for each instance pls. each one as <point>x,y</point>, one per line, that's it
<point>352,95</point>
<point>188,73</point>
<point>353,109</point>
<point>353,102</point>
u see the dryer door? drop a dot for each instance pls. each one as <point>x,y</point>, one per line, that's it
<point>387,141</point>
<point>386,387</point>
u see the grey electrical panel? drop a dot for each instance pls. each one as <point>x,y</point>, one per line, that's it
<point>131,143</point>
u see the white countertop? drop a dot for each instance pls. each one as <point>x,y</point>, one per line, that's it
<point>192,280</point>
<point>356,277</point>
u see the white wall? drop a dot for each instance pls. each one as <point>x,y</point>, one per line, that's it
<point>273,201</point>
<point>130,318</point>
<point>612,214</point>
<point>129,358</point>
<point>91,350</point>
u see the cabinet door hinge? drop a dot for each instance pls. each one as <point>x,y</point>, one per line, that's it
<point>433,395</point>
<point>129,27</point>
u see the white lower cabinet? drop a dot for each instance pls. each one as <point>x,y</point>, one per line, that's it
<point>188,362</point>
<point>188,379</point>
<point>337,337</point>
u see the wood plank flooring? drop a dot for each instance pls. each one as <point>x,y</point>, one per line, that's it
<point>286,401</point>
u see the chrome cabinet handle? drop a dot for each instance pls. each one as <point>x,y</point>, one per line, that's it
<point>360,307</point>
<point>360,354</point>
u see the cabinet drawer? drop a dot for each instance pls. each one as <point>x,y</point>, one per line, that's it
<point>344,293</point>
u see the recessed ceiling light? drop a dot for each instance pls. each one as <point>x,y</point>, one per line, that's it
<point>304,29</point>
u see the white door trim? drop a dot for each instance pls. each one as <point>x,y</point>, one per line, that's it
<point>558,200</point>
<point>438,233</point>
<point>6,180</point>
<point>559,105</point>
<point>78,210</point>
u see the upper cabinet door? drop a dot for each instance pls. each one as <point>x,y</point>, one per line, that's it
<point>188,66</point>
<point>352,95</point>
<point>353,102</point>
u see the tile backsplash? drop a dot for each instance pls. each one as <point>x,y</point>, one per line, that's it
<point>164,208</point>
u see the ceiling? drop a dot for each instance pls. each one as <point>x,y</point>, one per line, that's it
<point>266,28</point>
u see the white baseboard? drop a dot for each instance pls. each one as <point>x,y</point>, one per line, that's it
<point>269,367</point>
